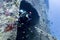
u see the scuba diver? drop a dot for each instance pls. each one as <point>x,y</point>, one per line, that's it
<point>28,19</point>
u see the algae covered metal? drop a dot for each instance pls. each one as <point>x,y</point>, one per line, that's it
<point>9,14</point>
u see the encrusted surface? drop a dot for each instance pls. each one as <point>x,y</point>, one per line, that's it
<point>9,14</point>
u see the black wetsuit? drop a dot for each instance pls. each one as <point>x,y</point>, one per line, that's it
<point>27,30</point>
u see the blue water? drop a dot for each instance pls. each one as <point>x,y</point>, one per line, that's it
<point>54,16</point>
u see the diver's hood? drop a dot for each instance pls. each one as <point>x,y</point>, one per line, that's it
<point>27,8</point>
